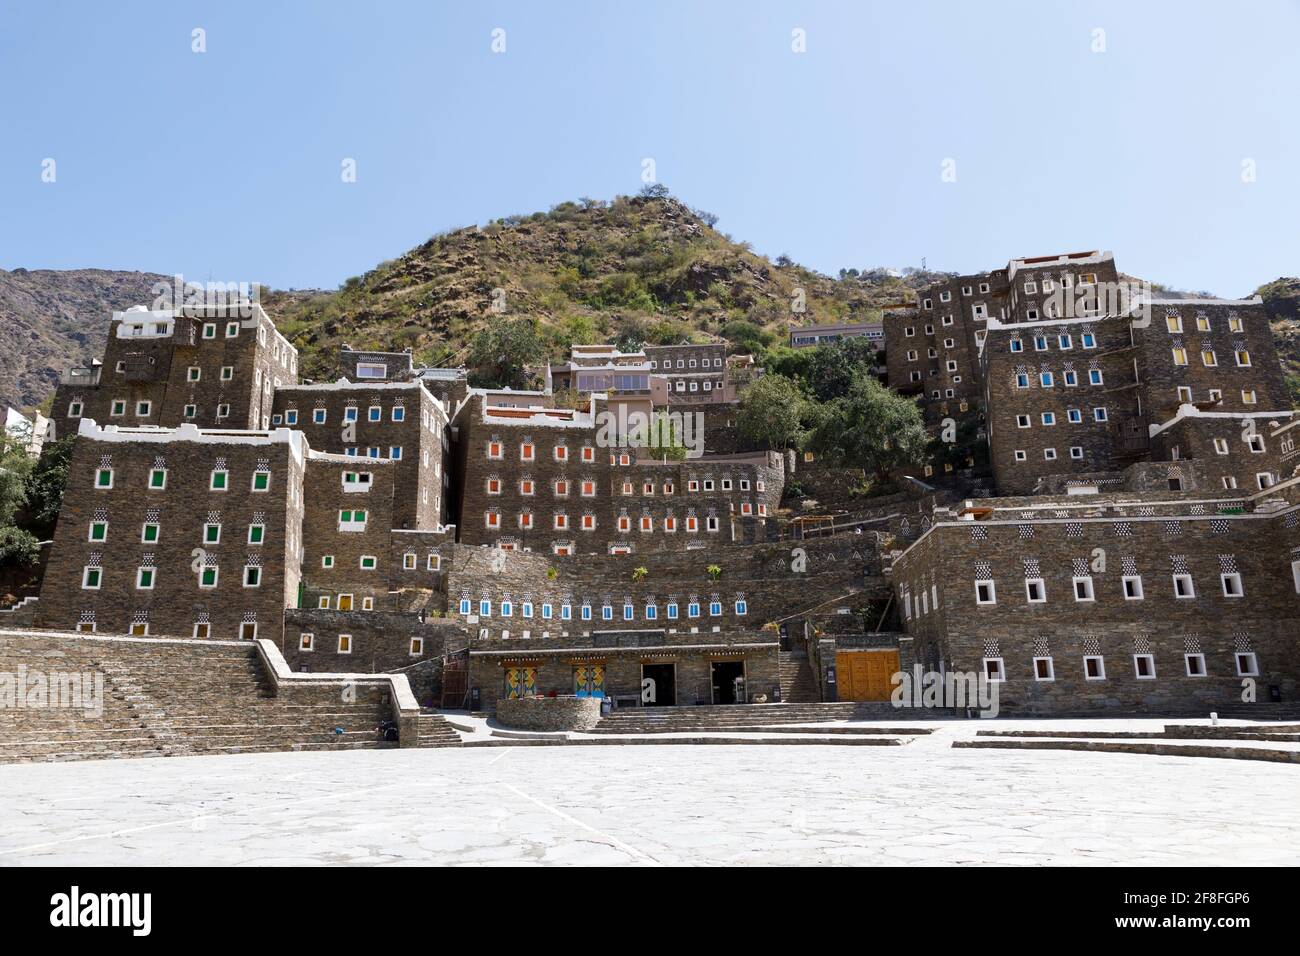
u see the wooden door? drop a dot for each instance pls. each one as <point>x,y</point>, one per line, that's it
<point>866,675</point>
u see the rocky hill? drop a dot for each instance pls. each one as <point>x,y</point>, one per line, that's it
<point>50,320</point>
<point>645,267</point>
<point>1282,299</point>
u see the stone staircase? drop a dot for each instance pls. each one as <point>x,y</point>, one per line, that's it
<point>741,717</point>
<point>436,732</point>
<point>798,685</point>
<point>164,698</point>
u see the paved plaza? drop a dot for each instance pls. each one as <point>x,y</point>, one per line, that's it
<point>922,803</point>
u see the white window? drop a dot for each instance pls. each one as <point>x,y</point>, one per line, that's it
<point>1022,421</point>
<point>1231,585</point>
<point>1132,587</point>
<point>1247,664</point>
<point>1049,454</point>
<point>986,592</point>
<point>1043,669</point>
<point>1144,666</point>
<point>1094,667</point>
<point>345,643</point>
<point>1195,664</point>
<point>1076,452</point>
<point>372,370</point>
<point>1021,455</point>
<point>1183,587</point>
<point>993,670</point>
<point>1035,591</point>
<point>1083,588</point>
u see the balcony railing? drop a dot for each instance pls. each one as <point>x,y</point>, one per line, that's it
<point>81,376</point>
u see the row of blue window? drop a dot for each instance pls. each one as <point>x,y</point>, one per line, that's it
<point>1063,341</point>
<point>394,452</point>
<point>1071,378</point>
<point>586,611</point>
<point>373,414</point>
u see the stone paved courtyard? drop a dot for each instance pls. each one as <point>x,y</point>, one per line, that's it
<point>702,804</point>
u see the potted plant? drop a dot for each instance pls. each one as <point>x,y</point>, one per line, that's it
<point>638,574</point>
<point>715,571</point>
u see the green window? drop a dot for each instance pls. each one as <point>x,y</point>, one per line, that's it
<point>92,577</point>
<point>104,478</point>
<point>158,478</point>
<point>146,578</point>
<point>219,480</point>
<point>256,533</point>
<point>261,480</point>
<point>208,578</point>
<point>367,563</point>
<point>150,533</point>
<point>211,533</point>
<point>99,531</point>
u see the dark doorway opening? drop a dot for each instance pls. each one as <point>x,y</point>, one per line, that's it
<point>658,685</point>
<point>729,682</point>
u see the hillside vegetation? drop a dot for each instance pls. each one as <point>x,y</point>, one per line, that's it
<point>637,269</point>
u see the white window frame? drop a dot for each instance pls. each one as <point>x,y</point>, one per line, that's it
<point>1042,590</point>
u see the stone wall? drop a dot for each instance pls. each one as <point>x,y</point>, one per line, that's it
<point>549,713</point>
<point>378,640</point>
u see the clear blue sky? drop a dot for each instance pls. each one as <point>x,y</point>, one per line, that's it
<point>226,164</point>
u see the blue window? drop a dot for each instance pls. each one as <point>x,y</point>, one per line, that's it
<point>1089,340</point>
<point>1017,345</point>
<point>742,608</point>
<point>528,609</point>
<point>606,612</point>
<point>628,612</point>
<point>399,413</point>
<point>373,451</point>
<point>1075,415</point>
<point>693,609</point>
<point>485,608</point>
<point>1040,343</point>
<point>1022,380</point>
<point>1094,376</point>
<point>672,610</point>
<point>715,608</point>
<point>349,414</point>
<point>291,417</point>
<point>507,608</point>
<point>651,612</point>
<point>546,612</point>
<point>351,451</point>
<point>376,413</point>
<point>566,612</point>
<point>318,416</point>
<point>1064,342</point>
<point>464,605</point>
<point>1049,418</point>
<point>586,612</point>
<point>1045,379</point>
<point>1071,378</point>
<point>395,452</point>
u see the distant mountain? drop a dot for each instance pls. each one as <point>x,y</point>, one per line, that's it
<point>50,320</point>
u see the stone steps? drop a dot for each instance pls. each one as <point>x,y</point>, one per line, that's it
<point>434,731</point>
<point>798,685</point>
<point>164,698</point>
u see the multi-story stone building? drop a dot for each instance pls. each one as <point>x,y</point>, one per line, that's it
<point>1111,602</point>
<point>185,531</point>
<point>397,420</point>
<point>557,480</point>
<point>213,368</point>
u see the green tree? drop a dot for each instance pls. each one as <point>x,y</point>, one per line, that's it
<point>17,545</point>
<point>500,353</point>
<point>771,412</point>
<point>869,427</point>
<point>832,369</point>
<point>664,440</point>
<point>45,485</point>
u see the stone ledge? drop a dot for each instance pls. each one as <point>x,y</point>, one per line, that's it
<point>549,713</point>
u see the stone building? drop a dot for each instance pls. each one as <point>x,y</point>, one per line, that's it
<point>213,368</point>
<point>397,420</point>
<point>555,480</point>
<point>185,531</point>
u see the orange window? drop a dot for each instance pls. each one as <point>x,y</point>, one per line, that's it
<point>494,449</point>
<point>561,522</point>
<point>588,522</point>
<point>562,488</point>
<point>494,486</point>
<point>526,451</point>
<point>588,453</point>
<point>561,453</point>
<point>526,486</point>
